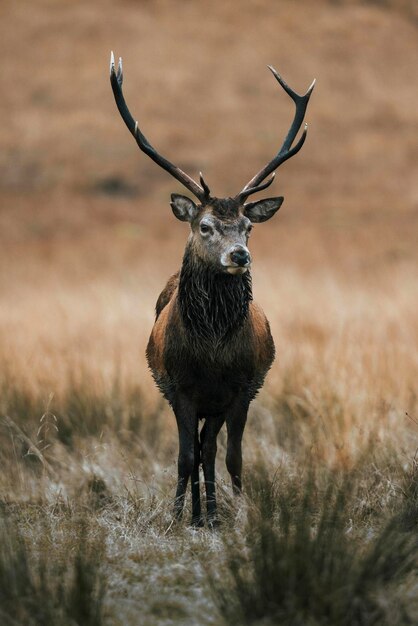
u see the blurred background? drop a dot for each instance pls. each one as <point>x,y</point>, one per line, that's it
<point>87,235</point>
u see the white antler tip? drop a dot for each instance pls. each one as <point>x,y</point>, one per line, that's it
<point>112,61</point>
<point>312,85</point>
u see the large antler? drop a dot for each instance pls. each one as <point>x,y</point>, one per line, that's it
<point>286,151</point>
<point>116,80</point>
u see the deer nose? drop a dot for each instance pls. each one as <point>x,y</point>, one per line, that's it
<point>240,256</point>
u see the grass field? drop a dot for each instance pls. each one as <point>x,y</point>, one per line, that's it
<point>326,531</point>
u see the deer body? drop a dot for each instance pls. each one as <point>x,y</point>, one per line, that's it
<point>209,352</point>
<point>211,347</point>
<point>209,340</point>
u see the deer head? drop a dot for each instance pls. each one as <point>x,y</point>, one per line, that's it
<point>220,228</point>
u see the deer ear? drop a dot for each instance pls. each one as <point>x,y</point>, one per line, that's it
<point>183,208</point>
<point>262,210</point>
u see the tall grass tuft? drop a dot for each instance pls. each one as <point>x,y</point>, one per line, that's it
<point>51,584</point>
<point>408,515</point>
<point>301,562</point>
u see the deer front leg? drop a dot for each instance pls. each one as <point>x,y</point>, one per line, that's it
<point>235,424</point>
<point>187,428</point>
<point>209,434</point>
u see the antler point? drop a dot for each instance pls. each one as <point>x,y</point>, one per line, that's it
<point>311,86</point>
<point>204,185</point>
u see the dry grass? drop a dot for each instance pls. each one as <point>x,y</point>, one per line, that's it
<point>87,448</point>
<point>88,439</point>
<point>302,560</point>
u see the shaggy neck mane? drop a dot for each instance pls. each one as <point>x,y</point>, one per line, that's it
<point>213,304</point>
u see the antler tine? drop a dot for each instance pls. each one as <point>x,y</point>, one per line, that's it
<point>204,185</point>
<point>116,80</point>
<point>243,195</point>
<point>301,103</point>
<point>286,151</point>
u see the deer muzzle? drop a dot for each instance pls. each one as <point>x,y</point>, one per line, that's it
<point>237,260</point>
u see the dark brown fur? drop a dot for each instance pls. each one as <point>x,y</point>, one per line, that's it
<point>209,352</point>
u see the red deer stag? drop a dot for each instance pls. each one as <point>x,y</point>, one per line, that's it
<point>211,347</point>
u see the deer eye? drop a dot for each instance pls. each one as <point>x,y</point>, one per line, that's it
<point>205,229</point>
<point>249,229</point>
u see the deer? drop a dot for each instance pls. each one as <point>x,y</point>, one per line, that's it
<point>211,346</point>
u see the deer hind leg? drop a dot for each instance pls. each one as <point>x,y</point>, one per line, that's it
<point>196,509</point>
<point>187,427</point>
<point>235,424</point>
<point>209,434</point>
